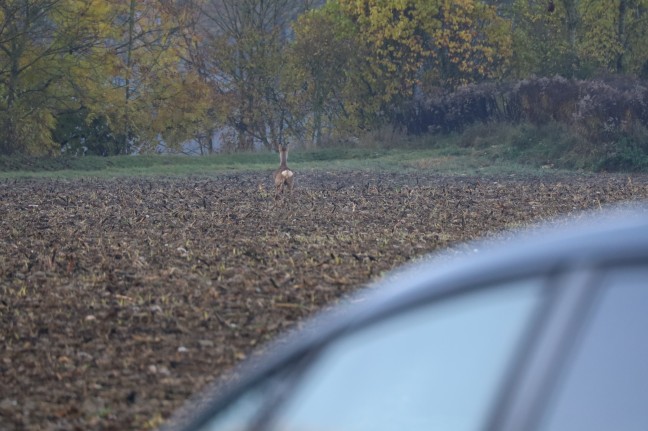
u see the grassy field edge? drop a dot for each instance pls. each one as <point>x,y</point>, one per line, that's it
<point>442,160</point>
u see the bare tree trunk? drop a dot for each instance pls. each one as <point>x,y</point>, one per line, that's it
<point>318,108</point>
<point>17,46</point>
<point>210,140</point>
<point>573,21</point>
<point>127,92</point>
<point>621,30</point>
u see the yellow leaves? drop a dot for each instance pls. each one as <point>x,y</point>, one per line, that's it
<point>585,34</point>
<point>399,43</point>
<point>599,23</point>
<point>470,42</point>
<point>403,35</point>
<point>73,55</point>
<point>390,30</point>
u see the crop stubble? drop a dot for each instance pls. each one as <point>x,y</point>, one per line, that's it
<point>121,298</point>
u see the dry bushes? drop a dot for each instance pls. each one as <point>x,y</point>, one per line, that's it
<point>605,121</point>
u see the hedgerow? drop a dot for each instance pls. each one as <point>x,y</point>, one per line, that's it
<point>602,124</point>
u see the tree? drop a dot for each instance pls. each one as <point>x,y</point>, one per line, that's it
<point>472,43</point>
<point>398,47</point>
<point>580,37</point>
<point>390,40</point>
<point>545,43</point>
<point>110,65</point>
<point>247,42</point>
<point>323,49</point>
<point>40,44</point>
<point>196,57</point>
<point>156,80</point>
<point>615,34</point>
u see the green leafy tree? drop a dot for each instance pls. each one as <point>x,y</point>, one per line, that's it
<point>544,42</point>
<point>615,34</point>
<point>79,133</point>
<point>316,77</point>
<point>580,37</point>
<point>41,42</point>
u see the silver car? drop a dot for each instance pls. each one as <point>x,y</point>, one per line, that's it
<point>546,330</point>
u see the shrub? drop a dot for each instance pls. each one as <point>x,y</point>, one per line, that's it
<point>595,107</point>
<point>590,124</point>
<point>442,111</point>
<point>628,154</point>
<point>543,100</point>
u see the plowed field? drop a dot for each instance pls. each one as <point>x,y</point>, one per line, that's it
<point>121,298</point>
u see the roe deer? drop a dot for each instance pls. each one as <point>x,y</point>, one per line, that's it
<point>283,177</point>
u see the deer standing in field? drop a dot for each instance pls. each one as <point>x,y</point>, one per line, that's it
<point>283,177</point>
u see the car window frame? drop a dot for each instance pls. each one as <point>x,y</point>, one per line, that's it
<point>577,288</point>
<point>595,295</point>
<point>531,379</point>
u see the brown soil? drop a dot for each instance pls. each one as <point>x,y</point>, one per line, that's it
<point>121,298</point>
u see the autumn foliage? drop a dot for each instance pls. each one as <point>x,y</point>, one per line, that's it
<point>129,77</point>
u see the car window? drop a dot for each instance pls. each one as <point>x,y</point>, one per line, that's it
<point>242,412</point>
<point>437,367</point>
<point>238,414</point>
<point>605,384</point>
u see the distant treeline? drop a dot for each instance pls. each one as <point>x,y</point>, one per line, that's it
<point>113,77</point>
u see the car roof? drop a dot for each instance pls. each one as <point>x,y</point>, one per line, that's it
<point>584,240</point>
